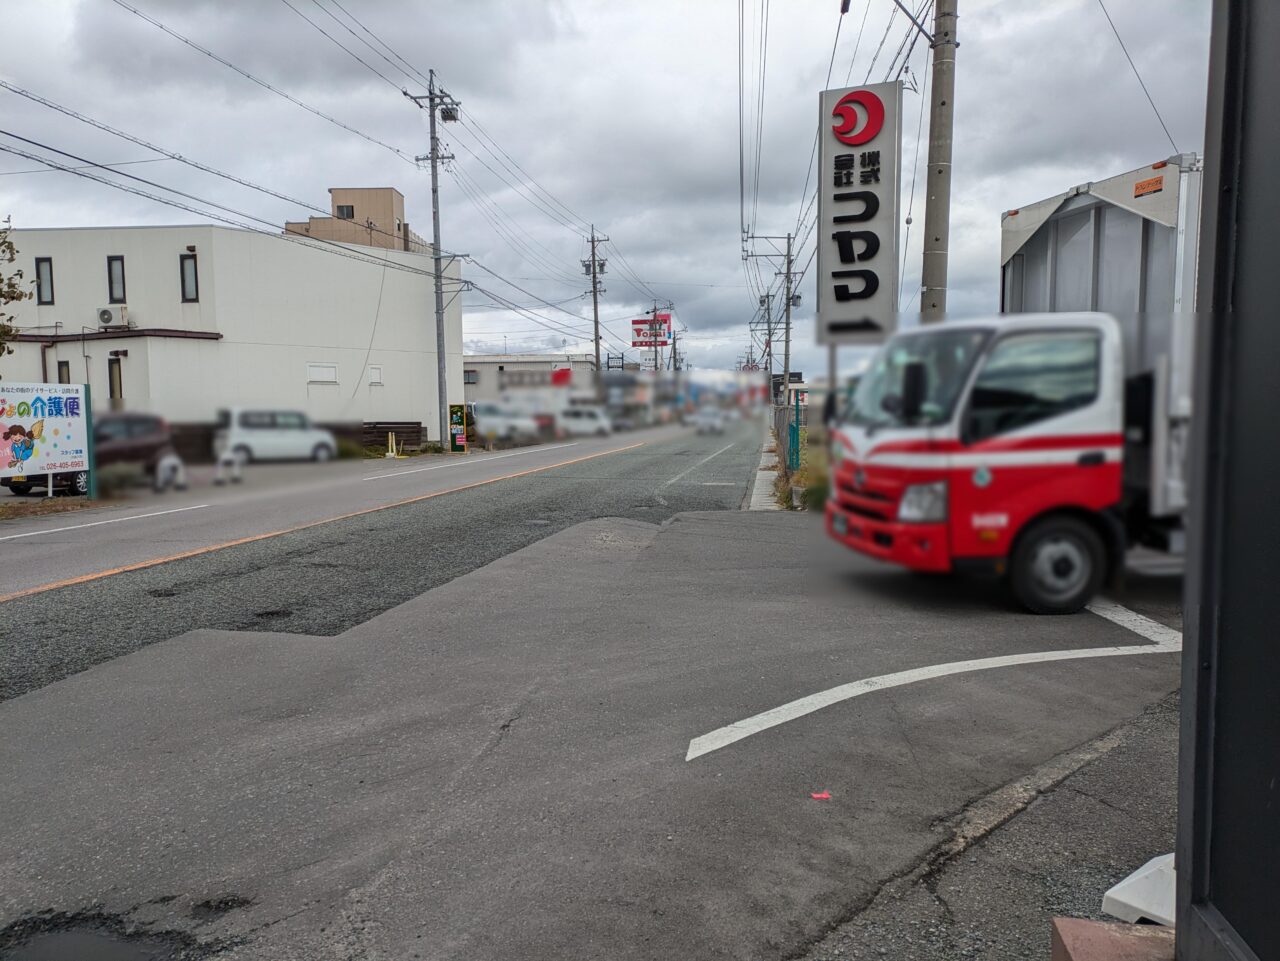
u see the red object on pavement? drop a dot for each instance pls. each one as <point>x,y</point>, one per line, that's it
<point>823,796</point>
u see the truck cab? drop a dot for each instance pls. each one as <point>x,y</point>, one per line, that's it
<point>990,446</point>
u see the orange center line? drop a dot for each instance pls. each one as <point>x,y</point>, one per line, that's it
<point>156,561</point>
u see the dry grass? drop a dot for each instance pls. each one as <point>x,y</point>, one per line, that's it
<point>12,507</point>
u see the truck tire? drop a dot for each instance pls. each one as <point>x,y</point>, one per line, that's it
<point>1057,566</point>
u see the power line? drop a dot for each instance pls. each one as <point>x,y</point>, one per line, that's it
<point>330,14</point>
<point>169,154</point>
<point>1142,84</point>
<point>260,82</point>
<point>341,46</point>
<point>47,170</point>
<point>312,242</point>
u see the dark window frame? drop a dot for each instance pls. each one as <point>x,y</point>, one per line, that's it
<point>350,208</point>
<point>470,377</point>
<point>64,365</point>
<point>41,300</point>
<point>115,376</point>
<point>111,294</point>
<point>967,435</point>
<point>195,278</point>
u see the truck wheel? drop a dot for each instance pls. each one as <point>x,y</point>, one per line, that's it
<point>1057,566</point>
<point>22,490</point>
<point>80,483</point>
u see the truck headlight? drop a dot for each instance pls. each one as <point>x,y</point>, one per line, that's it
<point>924,503</point>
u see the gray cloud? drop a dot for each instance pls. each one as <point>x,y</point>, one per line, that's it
<point>626,112</point>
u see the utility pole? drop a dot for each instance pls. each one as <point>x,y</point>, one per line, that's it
<point>937,210</point>
<point>438,100</point>
<point>595,268</point>
<point>653,333</point>
<point>766,301</point>
<point>786,345</point>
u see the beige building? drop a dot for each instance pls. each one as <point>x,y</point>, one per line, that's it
<point>372,216</point>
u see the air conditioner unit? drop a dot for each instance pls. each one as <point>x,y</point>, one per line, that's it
<point>117,315</point>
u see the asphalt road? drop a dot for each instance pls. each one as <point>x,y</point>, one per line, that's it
<point>326,578</point>
<point>500,768</point>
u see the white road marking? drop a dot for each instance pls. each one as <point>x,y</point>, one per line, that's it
<point>459,463</point>
<point>1167,641</point>
<point>718,484</point>
<point>689,470</point>
<point>114,520</point>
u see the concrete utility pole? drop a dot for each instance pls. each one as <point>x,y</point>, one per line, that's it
<point>786,343</point>
<point>653,333</point>
<point>937,210</point>
<point>435,100</point>
<point>595,268</point>
<point>766,301</point>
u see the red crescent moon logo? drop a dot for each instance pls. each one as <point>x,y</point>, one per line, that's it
<point>847,117</point>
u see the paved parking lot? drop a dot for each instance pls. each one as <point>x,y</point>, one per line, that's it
<point>501,767</point>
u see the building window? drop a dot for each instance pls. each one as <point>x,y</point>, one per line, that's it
<point>44,280</point>
<point>375,376</point>
<point>322,373</point>
<point>115,382</point>
<point>190,278</point>
<point>471,376</point>
<point>64,372</point>
<point>397,225</point>
<point>346,212</point>
<point>115,280</point>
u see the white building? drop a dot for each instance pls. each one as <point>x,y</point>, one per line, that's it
<point>201,318</point>
<point>490,377</point>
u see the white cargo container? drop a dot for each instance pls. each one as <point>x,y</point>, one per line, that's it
<point>1125,246</point>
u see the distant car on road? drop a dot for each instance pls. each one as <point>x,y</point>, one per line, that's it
<point>709,420</point>
<point>496,422</point>
<point>585,421</point>
<point>119,438</point>
<point>259,434</point>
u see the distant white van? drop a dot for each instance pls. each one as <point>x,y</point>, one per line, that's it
<point>585,420</point>
<point>256,434</point>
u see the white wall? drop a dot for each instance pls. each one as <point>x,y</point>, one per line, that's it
<point>278,305</point>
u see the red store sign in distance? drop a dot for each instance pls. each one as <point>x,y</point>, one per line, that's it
<point>846,115</point>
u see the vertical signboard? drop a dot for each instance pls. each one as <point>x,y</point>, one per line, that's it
<point>457,429</point>
<point>859,180</point>
<point>44,429</point>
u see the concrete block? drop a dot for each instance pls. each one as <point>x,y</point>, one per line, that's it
<point>1075,939</point>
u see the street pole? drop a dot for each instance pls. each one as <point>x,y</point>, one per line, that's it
<point>438,261</point>
<point>937,211</point>
<point>786,344</point>
<point>653,332</point>
<point>766,301</point>
<point>595,298</point>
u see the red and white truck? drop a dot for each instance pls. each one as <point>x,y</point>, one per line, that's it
<point>1043,443</point>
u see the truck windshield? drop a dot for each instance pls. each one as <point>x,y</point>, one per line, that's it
<point>947,356</point>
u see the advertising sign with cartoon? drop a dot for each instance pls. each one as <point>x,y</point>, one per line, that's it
<point>44,428</point>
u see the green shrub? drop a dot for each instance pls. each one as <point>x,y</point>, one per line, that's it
<point>374,451</point>
<point>349,449</point>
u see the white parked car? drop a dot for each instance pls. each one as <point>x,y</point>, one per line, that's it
<point>709,420</point>
<point>585,421</point>
<point>256,434</point>
<point>502,423</point>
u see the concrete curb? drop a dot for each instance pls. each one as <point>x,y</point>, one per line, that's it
<point>762,497</point>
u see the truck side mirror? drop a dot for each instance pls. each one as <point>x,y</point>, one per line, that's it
<point>915,387</point>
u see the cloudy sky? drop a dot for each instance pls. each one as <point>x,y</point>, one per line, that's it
<point>626,114</point>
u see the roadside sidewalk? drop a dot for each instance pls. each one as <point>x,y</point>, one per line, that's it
<point>995,896</point>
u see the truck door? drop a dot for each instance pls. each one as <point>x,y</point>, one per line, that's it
<point>1038,431</point>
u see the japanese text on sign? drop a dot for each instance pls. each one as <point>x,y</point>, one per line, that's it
<point>858,214</point>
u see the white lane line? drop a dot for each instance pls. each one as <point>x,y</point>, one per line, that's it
<point>459,463</point>
<point>1168,641</point>
<point>114,520</point>
<point>689,470</point>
